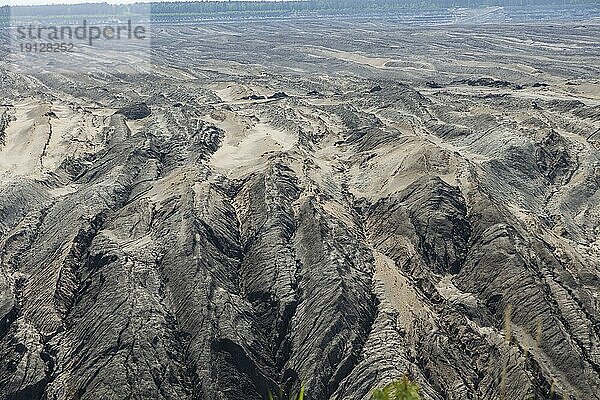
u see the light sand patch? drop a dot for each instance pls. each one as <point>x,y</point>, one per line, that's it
<point>325,102</point>
<point>246,142</point>
<point>482,64</point>
<point>230,91</point>
<point>377,62</point>
<point>26,139</point>
<point>43,134</point>
<point>587,90</point>
<point>176,73</point>
<point>236,93</point>
<point>398,293</point>
<point>451,293</point>
<point>63,191</point>
<point>397,166</point>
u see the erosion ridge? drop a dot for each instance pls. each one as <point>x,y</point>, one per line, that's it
<point>280,223</point>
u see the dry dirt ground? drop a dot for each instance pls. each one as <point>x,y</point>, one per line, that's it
<point>333,204</point>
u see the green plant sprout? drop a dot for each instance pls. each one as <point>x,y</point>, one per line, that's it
<point>398,390</point>
<point>300,396</point>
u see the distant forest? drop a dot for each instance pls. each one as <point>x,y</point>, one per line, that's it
<point>262,8</point>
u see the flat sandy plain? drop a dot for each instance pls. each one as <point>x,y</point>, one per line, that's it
<point>334,204</point>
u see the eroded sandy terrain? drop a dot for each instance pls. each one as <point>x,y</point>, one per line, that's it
<point>333,205</point>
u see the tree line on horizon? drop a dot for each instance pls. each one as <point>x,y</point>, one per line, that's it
<point>262,7</point>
